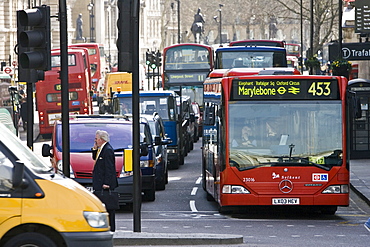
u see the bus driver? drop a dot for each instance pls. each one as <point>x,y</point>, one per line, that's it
<point>245,138</point>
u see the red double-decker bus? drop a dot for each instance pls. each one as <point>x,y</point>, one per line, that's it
<point>185,67</point>
<point>276,140</point>
<point>48,91</point>
<point>98,65</point>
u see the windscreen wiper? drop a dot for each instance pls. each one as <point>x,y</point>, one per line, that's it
<point>293,161</point>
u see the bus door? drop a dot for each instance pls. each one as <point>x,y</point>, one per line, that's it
<point>360,127</point>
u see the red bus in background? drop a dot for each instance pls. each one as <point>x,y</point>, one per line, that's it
<point>293,49</point>
<point>256,42</point>
<point>185,67</point>
<point>98,65</point>
<point>293,53</point>
<point>276,140</point>
<point>48,91</point>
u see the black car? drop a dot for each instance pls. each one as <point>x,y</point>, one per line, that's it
<point>160,146</point>
<point>188,121</point>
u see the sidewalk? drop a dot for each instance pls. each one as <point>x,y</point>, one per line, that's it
<point>360,178</point>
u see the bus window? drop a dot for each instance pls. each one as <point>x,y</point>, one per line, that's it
<point>55,60</point>
<point>57,97</point>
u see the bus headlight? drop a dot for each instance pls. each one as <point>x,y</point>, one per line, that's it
<point>337,189</point>
<point>234,189</point>
<point>96,219</point>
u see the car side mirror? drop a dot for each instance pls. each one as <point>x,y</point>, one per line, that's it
<point>157,140</point>
<point>167,141</point>
<point>18,174</point>
<point>192,117</point>
<point>46,150</point>
<point>144,149</point>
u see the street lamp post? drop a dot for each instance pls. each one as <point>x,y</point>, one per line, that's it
<point>220,21</point>
<point>90,8</point>
<point>220,5</point>
<point>109,34</point>
<point>178,22</point>
<point>301,51</point>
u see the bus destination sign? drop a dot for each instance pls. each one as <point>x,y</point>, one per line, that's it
<point>257,89</point>
<point>185,78</point>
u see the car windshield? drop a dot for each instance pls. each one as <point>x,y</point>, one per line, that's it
<point>149,105</point>
<point>273,133</point>
<point>82,135</point>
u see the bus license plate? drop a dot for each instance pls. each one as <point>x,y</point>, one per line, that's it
<point>285,201</point>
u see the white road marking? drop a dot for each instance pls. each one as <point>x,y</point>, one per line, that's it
<point>199,180</point>
<point>192,206</point>
<point>174,178</point>
<point>194,191</point>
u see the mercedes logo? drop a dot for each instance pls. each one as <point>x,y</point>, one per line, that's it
<point>286,186</point>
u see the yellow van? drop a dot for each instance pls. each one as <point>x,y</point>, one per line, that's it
<point>44,209</point>
<point>114,82</point>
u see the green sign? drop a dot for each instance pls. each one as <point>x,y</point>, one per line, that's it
<point>58,87</point>
<point>258,89</point>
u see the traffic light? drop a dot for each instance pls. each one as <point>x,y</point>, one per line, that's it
<point>159,59</point>
<point>124,40</point>
<point>153,60</point>
<point>34,45</point>
<point>148,57</point>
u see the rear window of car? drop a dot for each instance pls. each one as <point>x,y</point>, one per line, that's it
<point>82,135</point>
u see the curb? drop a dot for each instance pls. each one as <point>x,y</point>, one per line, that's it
<point>138,238</point>
<point>359,187</point>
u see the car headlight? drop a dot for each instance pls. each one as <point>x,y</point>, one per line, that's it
<point>96,219</point>
<point>337,189</point>
<point>171,151</point>
<point>144,163</point>
<point>60,168</point>
<point>234,189</point>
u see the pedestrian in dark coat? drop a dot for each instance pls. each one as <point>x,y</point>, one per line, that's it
<point>104,172</point>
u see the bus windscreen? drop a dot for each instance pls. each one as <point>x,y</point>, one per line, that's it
<point>187,57</point>
<point>250,59</point>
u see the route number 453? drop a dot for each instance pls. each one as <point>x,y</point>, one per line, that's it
<point>319,89</point>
